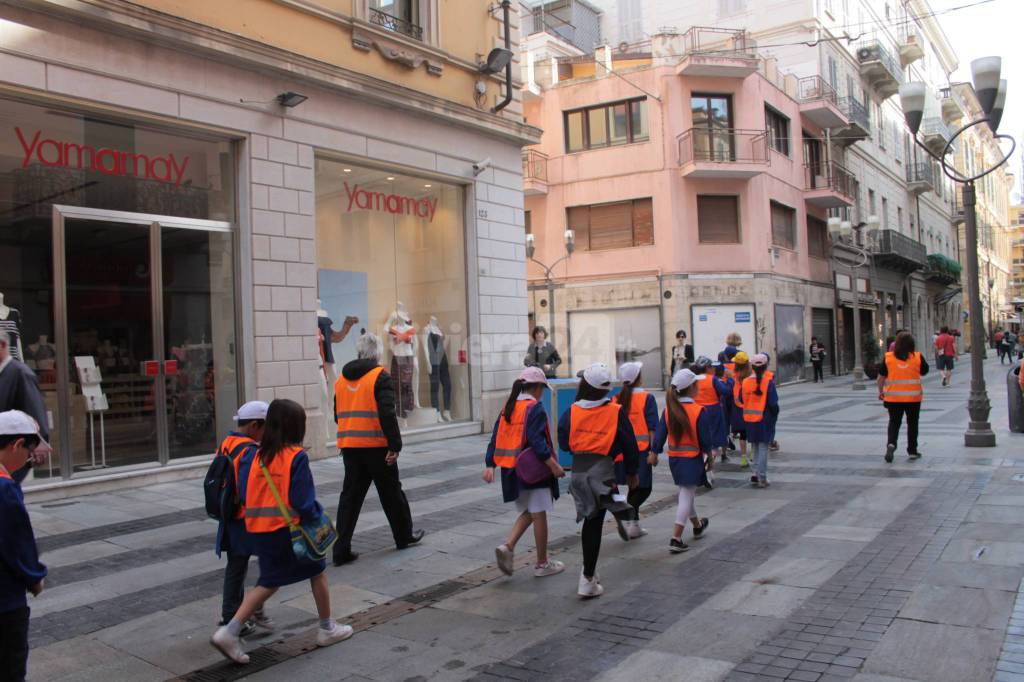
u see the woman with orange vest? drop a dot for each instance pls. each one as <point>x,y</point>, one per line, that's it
<point>642,410</point>
<point>760,403</point>
<point>733,404</point>
<point>687,430</point>
<point>281,456</point>
<point>524,423</point>
<point>899,387</point>
<point>710,390</point>
<point>595,430</point>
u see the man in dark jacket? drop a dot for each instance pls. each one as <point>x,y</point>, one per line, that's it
<point>19,390</point>
<point>369,441</point>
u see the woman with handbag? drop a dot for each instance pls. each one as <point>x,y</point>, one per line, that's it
<point>521,446</point>
<point>276,485</point>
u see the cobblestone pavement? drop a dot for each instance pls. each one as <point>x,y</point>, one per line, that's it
<point>845,568</point>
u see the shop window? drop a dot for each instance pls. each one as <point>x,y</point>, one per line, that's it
<point>778,130</point>
<point>783,226</point>
<point>606,125</point>
<point>391,252</point>
<point>718,219</point>
<point>817,237</point>
<point>618,225</point>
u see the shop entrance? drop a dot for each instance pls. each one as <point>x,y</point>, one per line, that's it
<point>145,337</point>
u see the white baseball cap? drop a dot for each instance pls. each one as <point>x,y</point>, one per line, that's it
<point>629,371</point>
<point>683,379</point>
<point>254,409</point>
<point>598,375</point>
<point>17,423</point>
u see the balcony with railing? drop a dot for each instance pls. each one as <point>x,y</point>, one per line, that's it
<point>717,52</point>
<point>942,269</point>
<point>956,209</point>
<point>897,251</point>
<point>722,153</point>
<point>858,126</point>
<point>574,22</point>
<point>395,24</point>
<point>535,173</point>
<point>951,107</point>
<point>819,103</point>
<point>829,185</point>
<point>920,177</point>
<point>880,68</point>
<point>935,134</point>
<point>911,45</point>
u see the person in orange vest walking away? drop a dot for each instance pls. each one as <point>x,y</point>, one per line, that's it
<point>642,410</point>
<point>281,459</point>
<point>594,430</point>
<point>733,404</point>
<point>522,424</point>
<point>687,429</point>
<point>899,387</point>
<point>760,403</point>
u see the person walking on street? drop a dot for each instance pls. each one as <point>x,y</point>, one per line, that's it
<point>595,430</point>
<point>738,428</point>
<point>542,353</point>
<point>945,352</point>
<point>20,569</point>
<point>899,387</point>
<point>19,390</point>
<point>682,353</point>
<point>760,411</point>
<point>524,423</point>
<point>709,392</point>
<point>269,478</point>
<point>369,441</point>
<point>1003,347</point>
<point>817,353</point>
<point>642,410</point>
<point>687,430</point>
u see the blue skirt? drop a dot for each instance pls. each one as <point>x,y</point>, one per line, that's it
<point>278,563</point>
<point>686,470</point>
<point>716,424</point>
<point>645,471</point>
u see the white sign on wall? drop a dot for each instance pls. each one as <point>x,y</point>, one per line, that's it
<point>712,323</point>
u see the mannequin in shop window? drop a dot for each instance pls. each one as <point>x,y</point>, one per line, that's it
<point>404,366</point>
<point>437,361</point>
<point>10,322</point>
<point>329,336</point>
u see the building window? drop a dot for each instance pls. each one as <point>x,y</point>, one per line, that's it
<point>528,221</point>
<point>399,16</point>
<point>885,213</point>
<point>778,130</point>
<point>618,225</point>
<point>606,125</point>
<point>817,237</point>
<point>899,218</point>
<point>871,202</point>
<point>783,226</point>
<point>718,219</point>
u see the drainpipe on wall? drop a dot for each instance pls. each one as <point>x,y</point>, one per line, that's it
<point>661,325</point>
<point>505,4</point>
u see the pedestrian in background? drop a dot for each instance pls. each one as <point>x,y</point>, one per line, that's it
<point>734,400</point>
<point>642,410</point>
<point>369,441</point>
<point>945,352</point>
<point>817,353</point>
<point>733,341</point>
<point>595,430</point>
<point>524,423</point>
<point>1003,347</point>
<point>899,386</point>
<point>687,430</point>
<point>682,353</point>
<point>542,353</point>
<point>20,569</point>
<point>19,390</point>
<point>708,395</point>
<point>281,459</point>
<point>760,411</point>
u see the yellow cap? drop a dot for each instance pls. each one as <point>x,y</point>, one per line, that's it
<point>741,358</point>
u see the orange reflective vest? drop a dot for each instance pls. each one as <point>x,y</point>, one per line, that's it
<point>903,381</point>
<point>706,394</point>
<point>4,474</point>
<point>730,369</point>
<point>592,431</point>
<point>689,444</point>
<point>262,513</point>
<point>356,407</point>
<point>638,422</point>
<point>769,375</point>
<point>737,386</point>
<point>754,404</point>
<point>231,445</point>
<point>509,441</point>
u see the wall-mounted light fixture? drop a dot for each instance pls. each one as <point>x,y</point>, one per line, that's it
<point>290,99</point>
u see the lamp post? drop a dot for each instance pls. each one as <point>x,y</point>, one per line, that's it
<point>842,231</point>
<point>570,244</point>
<point>991,92</point>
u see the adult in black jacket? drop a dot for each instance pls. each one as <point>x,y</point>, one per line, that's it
<point>19,390</point>
<point>377,465</point>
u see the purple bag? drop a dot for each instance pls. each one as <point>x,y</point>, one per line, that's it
<point>529,469</point>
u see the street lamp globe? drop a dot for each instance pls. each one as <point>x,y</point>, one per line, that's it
<point>997,109</point>
<point>530,245</point>
<point>570,240</point>
<point>985,73</point>
<point>912,100</point>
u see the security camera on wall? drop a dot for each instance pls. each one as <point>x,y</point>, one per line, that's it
<point>480,166</point>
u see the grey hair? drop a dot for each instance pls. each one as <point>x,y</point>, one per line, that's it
<point>368,347</point>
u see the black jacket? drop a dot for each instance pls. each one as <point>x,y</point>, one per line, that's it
<point>384,393</point>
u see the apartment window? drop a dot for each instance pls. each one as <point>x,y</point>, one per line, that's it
<point>899,218</point>
<point>606,125</point>
<point>617,225</point>
<point>399,16</point>
<point>817,237</point>
<point>896,141</point>
<point>783,226</point>
<point>871,202</point>
<point>881,126</point>
<point>885,213</point>
<point>718,219</point>
<point>778,130</point>
<point>833,73</point>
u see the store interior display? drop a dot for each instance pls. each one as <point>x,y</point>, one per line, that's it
<point>10,322</point>
<point>440,376</point>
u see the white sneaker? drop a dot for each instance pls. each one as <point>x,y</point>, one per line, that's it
<point>635,531</point>
<point>588,589</point>
<point>229,645</point>
<point>552,567</point>
<point>505,557</point>
<point>337,633</point>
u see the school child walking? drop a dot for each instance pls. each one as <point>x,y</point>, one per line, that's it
<point>595,430</point>
<point>642,410</point>
<point>741,370</point>
<point>687,429</point>
<point>710,391</point>
<point>760,411</point>
<point>524,423</point>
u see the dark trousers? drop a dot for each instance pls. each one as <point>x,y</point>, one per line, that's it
<point>590,536</point>
<point>362,467</point>
<point>13,644</point>
<point>896,412</point>
<point>819,374</point>
<point>234,585</point>
<point>636,497</point>
<point>439,375</point>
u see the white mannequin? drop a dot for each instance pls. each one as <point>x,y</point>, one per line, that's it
<point>403,341</point>
<point>432,327</point>
<point>43,342</point>
<point>4,309</point>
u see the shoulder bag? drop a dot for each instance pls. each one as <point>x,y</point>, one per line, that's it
<point>529,469</point>
<point>310,541</point>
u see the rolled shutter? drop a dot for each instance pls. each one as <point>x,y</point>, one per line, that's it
<point>579,221</point>
<point>611,226</point>
<point>643,222</point>
<point>718,219</point>
<point>783,219</point>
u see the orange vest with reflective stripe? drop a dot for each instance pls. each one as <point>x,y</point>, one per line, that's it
<point>689,444</point>
<point>737,385</point>
<point>706,394</point>
<point>592,431</point>
<point>637,421</point>
<point>730,369</point>
<point>769,375</point>
<point>262,514</point>
<point>903,383</point>
<point>509,441</point>
<point>754,404</point>
<point>356,407</point>
<point>228,446</point>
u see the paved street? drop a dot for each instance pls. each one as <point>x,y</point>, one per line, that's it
<point>844,568</point>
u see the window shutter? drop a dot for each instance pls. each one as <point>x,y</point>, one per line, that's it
<point>718,219</point>
<point>611,226</point>
<point>782,226</point>
<point>816,239</point>
<point>579,220</point>
<point>643,222</point>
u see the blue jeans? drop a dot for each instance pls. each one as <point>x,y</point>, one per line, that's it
<point>760,459</point>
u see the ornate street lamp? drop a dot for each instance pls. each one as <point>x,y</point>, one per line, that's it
<point>991,91</point>
<point>569,237</point>
<point>842,232</point>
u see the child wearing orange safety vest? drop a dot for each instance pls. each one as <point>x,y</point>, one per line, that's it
<point>709,392</point>
<point>286,463</point>
<point>686,429</point>
<point>733,404</point>
<point>642,410</point>
<point>594,430</point>
<point>899,386</point>
<point>760,403</point>
<point>524,423</point>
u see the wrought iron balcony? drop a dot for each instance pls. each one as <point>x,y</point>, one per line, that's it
<point>920,177</point>
<point>722,152</point>
<point>951,108</point>
<point>942,270</point>
<point>395,24</point>
<point>935,134</point>
<point>819,103</point>
<point>535,172</point>
<point>718,52</point>
<point>880,68</point>
<point>829,185</point>
<point>858,126</point>
<point>897,251</point>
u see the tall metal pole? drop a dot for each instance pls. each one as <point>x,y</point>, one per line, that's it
<point>858,369</point>
<point>551,309</point>
<point>979,432</point>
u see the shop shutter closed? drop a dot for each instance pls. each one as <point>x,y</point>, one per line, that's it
<point>643,222</point>
<point>783,226</point>
<point>718,219</point>
<point>579,221</point>
<point>611,226</point>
